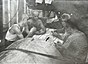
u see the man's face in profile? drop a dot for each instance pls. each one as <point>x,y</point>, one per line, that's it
<point>35,15</point>
<point>63,24</point>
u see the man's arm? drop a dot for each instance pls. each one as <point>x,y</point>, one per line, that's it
<point>26,29</point>
<point>18,32</point>
<point>62,30</point>
<point>32,32</point>
<point>61,49</point>
<point>57,35</point>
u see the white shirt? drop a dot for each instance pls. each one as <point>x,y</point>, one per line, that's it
<point>10,36</point>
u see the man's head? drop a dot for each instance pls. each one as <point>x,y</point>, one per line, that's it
<point>35,14</point>
<point>64,18</point>
<point>67,23</point>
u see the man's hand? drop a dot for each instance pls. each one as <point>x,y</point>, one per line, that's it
<point>62,30</point>
<point>18,32</point>
<point>31,32</point>
<point>55,34</point>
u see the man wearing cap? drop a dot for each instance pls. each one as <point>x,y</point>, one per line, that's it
<point>35,25</point>
<point>63,18</point>
<point>75,45</point>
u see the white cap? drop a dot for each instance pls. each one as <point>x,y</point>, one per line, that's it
<point>65,16</point>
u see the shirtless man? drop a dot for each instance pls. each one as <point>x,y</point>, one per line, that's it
<point>35,25</point>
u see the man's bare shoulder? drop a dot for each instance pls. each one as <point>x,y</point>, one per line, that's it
<point>30,21</point>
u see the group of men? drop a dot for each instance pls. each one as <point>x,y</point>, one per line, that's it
<point>25,28</point>
<point>74,46</point>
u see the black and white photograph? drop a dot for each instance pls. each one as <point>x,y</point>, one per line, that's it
<point>43,32</point>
